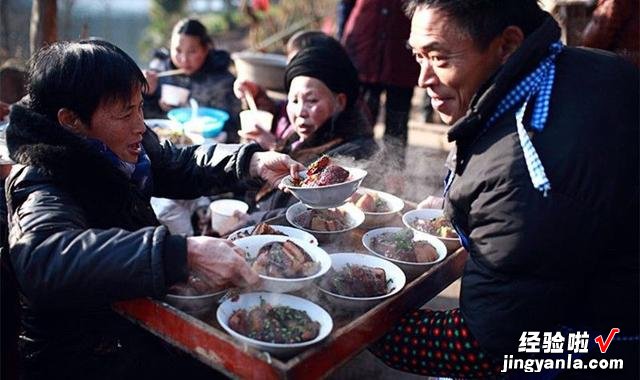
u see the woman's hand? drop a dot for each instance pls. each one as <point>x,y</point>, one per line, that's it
<point>242,86</point>
<point>152,78</point>
<point>218,262</point>
<point>258,134</point>
<point>431,202</point>
<point>273,167</point>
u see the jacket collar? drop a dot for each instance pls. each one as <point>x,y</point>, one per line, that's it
<point>533,49</point>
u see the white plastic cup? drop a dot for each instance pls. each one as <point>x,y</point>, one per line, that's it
<point>174,95</point>
<point>250,118</point>
<point>222,210</point>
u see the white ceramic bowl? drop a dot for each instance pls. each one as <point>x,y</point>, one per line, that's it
<point>411,269</point>
<point>392,271</point>
<point>288,231</point>
<point>198,306</point>
<point>354,216</point>
<point>377,219</point>
<point>327,196</point>
<point>174,95</point>
<point>429,213</point>
<point>252,245</point>
<point>251,300</point>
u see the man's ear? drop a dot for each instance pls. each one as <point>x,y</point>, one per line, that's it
<point>511,39</point>
<point>341,99</point>
<point>71,121</point>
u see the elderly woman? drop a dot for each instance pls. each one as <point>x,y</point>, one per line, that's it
<point>82,232</point>
<point>205,74</point>
<point>324,108</point>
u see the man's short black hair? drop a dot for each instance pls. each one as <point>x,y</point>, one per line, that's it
<point>79,76</point>
<point>484,20</point>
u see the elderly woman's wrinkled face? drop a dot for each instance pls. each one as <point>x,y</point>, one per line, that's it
<point>452,67</point>
<point>188,53</point>
<point>310,104</point>
<point>120,126</point>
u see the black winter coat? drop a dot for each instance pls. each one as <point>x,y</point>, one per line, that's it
<point>82,236</point>
<point>571,258</point>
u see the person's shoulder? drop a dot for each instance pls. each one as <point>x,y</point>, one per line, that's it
<point>217,61</point>
<point>590,60</point>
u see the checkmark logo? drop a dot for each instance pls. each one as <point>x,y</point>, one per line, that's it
<point>604,345</point>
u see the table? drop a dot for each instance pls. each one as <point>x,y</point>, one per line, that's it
<point>351,334</point>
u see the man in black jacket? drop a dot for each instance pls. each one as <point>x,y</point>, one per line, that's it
<point>543,188</point>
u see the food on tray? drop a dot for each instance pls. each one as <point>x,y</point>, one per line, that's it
<point>284,260</point>
<point>175,137</point>
<point>323,172</point>
<point>259,229</point>
<point>439,226</point>
<point>194,286</point>
<point>401,246</point>
<point>356,281</point>
<point>371,202</point>
<point>323,220</point>
<point>275,324</point>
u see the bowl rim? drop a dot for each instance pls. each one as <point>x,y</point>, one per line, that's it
<point>384,193</point>
<point>278,227</point>
<point>300,204</point>
<point>396,290</point>
<point>405,221</point>
<point>322,259</point>
<point>195,298</point>
<point>224,115</point>
<point>278,297</point>
<point>437,244</point>
<point>287,181</point>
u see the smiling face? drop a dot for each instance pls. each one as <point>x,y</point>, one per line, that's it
<point>188,52</point>
<point>452,67</point>
<point>310,104</point>
<point>120,126</point>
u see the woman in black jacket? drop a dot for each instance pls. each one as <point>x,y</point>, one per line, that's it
<point>206,74</point>
<point>325,110</point>
<point>82,231</point>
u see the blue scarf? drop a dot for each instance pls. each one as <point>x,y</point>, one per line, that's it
<point>139,173</point>
<point>537,87</point>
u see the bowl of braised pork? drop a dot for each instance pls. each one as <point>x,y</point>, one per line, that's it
<point>379,207</point>
<point>359,281</point>
<point>194,297</point>
<point>431,221</point>
<point>280,324</point>
<point>284,264</point>
<point>413,253</point>
<point>273,229</point>
<point>325,184</point>
<point>325,224</point>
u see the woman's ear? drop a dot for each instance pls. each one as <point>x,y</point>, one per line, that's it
<point>71,121</point>
<point>512,37</point>
<point>341,101</point>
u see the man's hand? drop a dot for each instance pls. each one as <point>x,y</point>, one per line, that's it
<point>431,202</point>
<point>273,167</point>
<point>219,262</point>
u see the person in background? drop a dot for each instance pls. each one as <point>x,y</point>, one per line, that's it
<point>324,107</point>
<point>375,37</point>
<point>82,232</point>
<point>544,181</point>
<point>206,74</point>
<point>282,130</point>
<point>615,26</point>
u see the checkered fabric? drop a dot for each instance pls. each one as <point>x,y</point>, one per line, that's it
<point>537,87</point>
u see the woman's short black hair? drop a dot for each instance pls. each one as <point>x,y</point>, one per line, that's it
<point>483,20</point>
<point>194,28</point>
<point>80,76</point>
